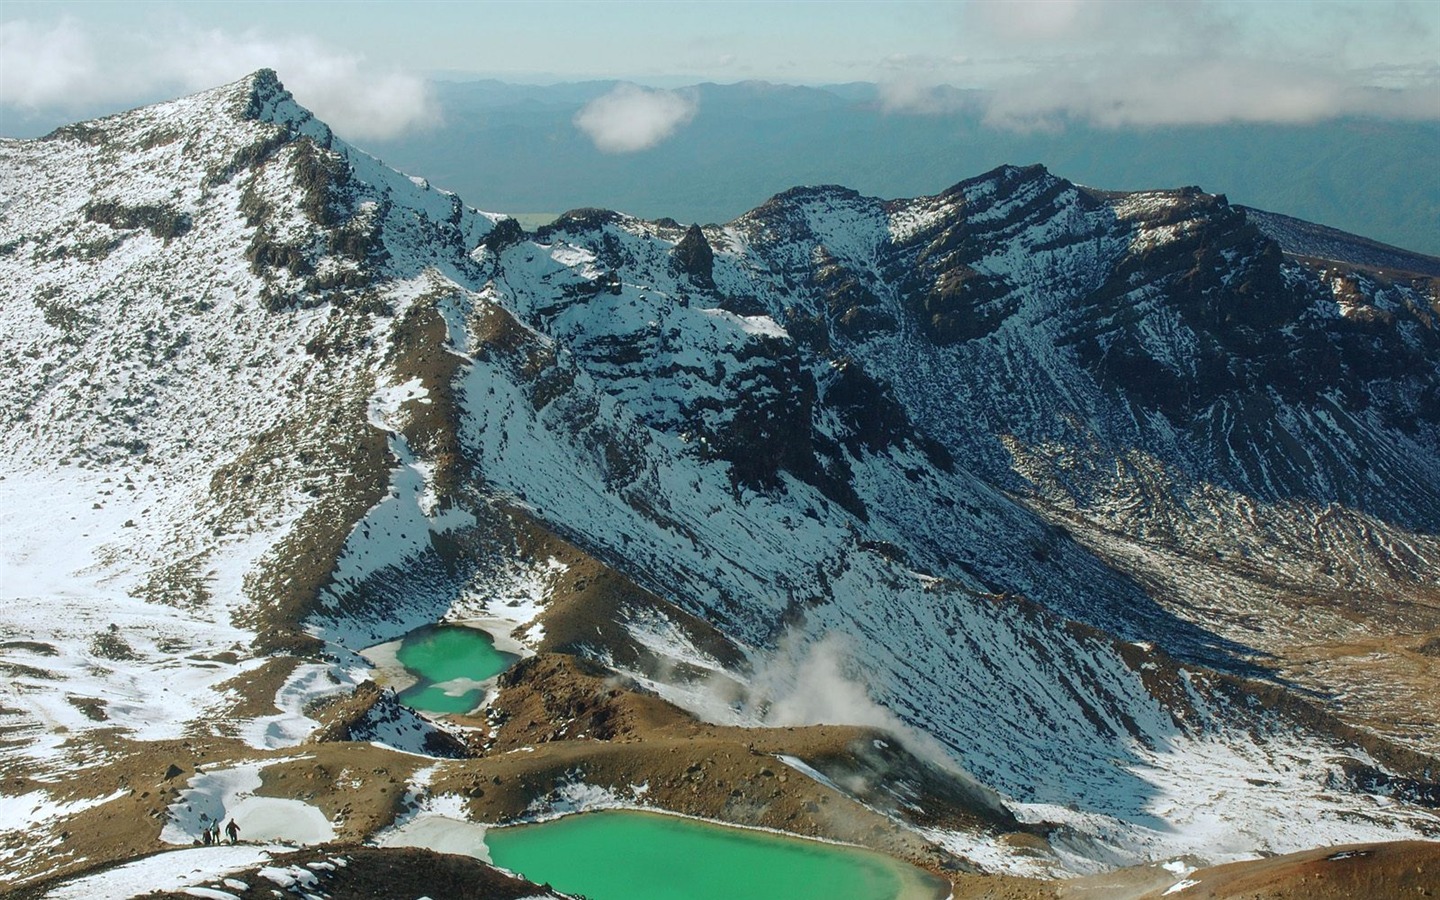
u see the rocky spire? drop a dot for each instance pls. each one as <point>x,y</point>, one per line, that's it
<point>693,257</point>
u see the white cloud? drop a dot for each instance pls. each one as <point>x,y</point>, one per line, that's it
<point>45,66</point>
<point>1039,28</point>
<point>355,100</point>
<point>631,118</point>
<point>66,67</point>
<point>1154,91</point>
<point>921,83</point>
<point>914,95</point>
<point>1042,20</point>
<point>1044,63</point>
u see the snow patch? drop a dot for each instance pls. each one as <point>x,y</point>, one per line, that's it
<point>218,797</point>
<point>440,823</point>
<point>175,870</point>
<point>308,683</point>
<point>25,811</point>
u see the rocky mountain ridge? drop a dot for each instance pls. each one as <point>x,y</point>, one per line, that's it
<point>1119,508</point>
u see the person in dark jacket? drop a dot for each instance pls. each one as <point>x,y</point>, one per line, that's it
<point>233,831</point>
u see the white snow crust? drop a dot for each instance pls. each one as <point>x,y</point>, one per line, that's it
<point>219,796</point>
<point>175,870</point>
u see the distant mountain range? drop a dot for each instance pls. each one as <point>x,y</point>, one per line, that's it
<point>517,146</point>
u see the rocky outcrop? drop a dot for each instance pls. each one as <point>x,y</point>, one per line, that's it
<point>694,258</point>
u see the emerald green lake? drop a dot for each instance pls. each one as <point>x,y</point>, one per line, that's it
<point>450,662</point>
<point>627,855</point>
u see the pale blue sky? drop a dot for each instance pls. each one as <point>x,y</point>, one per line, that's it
<point>801,42</point>
<point>1115,63</point>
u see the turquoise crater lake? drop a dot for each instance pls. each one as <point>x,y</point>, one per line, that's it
<point>628,855</point>
<point>450,661</point>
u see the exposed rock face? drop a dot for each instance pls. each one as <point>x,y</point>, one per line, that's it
<point>374,714</point>
<point>693,257</point>
<point>1116,361</point>
<point>1059,469</point>
<point>507,232</point>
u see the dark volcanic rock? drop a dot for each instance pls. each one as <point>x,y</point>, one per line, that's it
<point>693,257</point>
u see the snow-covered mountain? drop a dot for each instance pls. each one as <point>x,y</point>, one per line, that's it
<point>1123,504</point>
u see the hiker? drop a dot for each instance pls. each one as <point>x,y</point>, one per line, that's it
<point>215,833</point>
<point>205,836</point>
<point>233,830</point>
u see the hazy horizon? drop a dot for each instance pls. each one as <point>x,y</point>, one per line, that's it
<point>365,67</point>
<point>1195,92</point>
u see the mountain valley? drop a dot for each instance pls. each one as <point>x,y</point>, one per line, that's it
<point>1030,533</point>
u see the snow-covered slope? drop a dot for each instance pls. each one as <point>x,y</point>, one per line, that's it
<point>198,299</point>
<point>1035,475</point>
<point>867,504</point>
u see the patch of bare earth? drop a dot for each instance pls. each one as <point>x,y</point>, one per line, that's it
<point>1002,887</point>
<point>142,778</point>
<point>356,872</point>
<point>560,721</point>
<point>1378,871</point>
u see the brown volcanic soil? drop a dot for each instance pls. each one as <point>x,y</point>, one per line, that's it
<point>1002,887</point>
<point>561,720</point>
<point>558,721</point>
<point>1359,871</point>
<point>354,872</point>
<point>99,765</point>
<point>361,787</point>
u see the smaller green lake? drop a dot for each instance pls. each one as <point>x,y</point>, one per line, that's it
<point>628,855</point>
<point>450,661</point>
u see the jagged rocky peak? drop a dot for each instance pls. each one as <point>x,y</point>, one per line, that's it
<point>1255,323</point>
<point>1004,177</point>
<point>808,193</point>
<point>809,212</point>
<point>264,89</point>
<point>695,258</point>
<point>1008,195</point>
<point>579,221</point>
<point>259,97</point>
<point>159,231</point>
<point>507,233</point>
<point>262,97</point>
